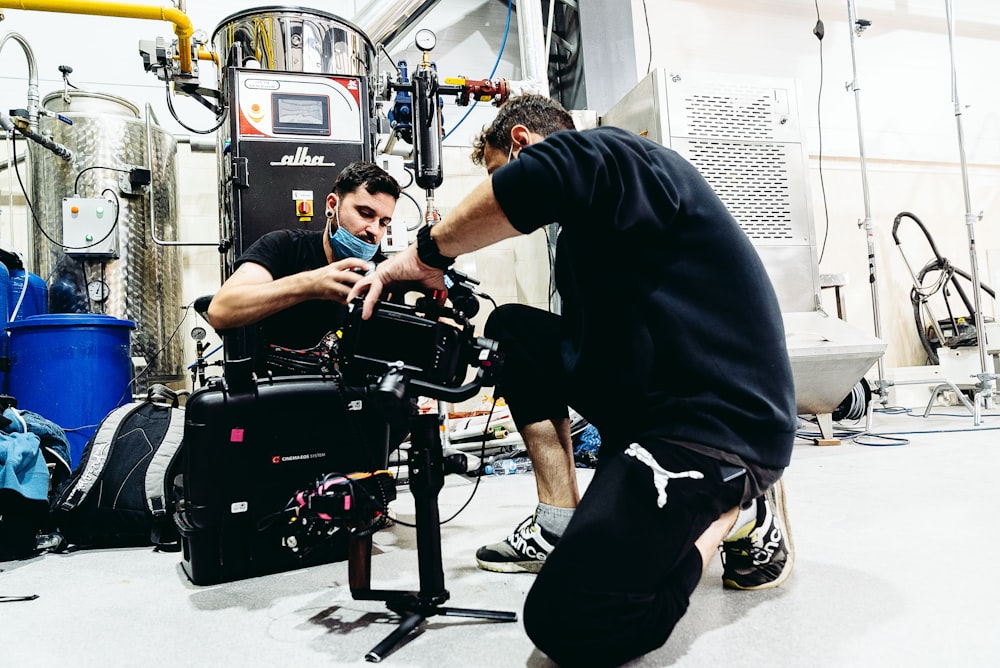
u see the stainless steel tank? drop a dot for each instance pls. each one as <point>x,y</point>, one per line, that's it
<point>109,137</point>
<point>293,39</point>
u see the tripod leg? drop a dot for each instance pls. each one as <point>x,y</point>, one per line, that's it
<point>359,562</point>
<point>381,650</point>
<point>492,615</point>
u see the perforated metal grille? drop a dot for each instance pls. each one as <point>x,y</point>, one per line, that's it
<point>732,111</point>
<point>752,181</point>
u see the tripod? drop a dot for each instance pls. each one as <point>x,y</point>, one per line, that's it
<point>427,471</point>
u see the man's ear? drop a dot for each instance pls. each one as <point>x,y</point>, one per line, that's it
<point>331,204</point>
<point>520,136</point>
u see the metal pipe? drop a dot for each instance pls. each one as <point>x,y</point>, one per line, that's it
<point>548,29</point>
<point>386,22</point>
<point>152,191</point>
<point>33,98</point>
<point>10,166</point>
<point>986,375</point>
<point>883,387</point>
<point>182,24</point>
<point>531,37</point>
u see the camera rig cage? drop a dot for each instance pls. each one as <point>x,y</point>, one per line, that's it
<point>429,345</point>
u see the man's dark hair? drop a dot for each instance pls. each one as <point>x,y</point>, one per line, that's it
<point>373,178</point>
<point>538,113</point>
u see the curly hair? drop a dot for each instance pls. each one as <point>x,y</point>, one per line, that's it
<point>538,113</point>
<point>373,178</point>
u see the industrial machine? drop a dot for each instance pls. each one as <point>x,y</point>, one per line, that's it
<point>297,87</point>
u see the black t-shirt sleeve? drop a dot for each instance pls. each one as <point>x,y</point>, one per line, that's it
<point>273,251</point>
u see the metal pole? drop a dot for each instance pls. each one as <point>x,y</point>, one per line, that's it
<point>531,36</point>
<point>152,191</point>
<point>986,376</point>
<point>856,29</point>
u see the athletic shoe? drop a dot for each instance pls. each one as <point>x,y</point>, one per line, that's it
<point>524,551</point>
<point>760,555</point>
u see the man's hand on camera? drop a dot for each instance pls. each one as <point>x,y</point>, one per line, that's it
<point>404,268</point>
<point>335,280</point>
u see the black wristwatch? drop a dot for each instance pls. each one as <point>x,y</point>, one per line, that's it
<point>428,252</point>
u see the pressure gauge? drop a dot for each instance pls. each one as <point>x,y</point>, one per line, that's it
<point>425,39</point>
<point>98,291</point>
<point>198,333</point>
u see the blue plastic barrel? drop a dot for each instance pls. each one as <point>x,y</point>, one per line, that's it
<point>4,316</point>
<point>28,295</point>
<point>72,369</point>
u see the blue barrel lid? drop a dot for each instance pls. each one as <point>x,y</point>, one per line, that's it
<point>70,320</point>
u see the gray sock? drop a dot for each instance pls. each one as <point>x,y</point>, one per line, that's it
<point>553,520</point>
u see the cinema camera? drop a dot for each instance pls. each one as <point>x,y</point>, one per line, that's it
<point>402,350</point>
<point>433,343</point>
<point>423,349</point>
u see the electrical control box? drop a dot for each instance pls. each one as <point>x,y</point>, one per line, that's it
<point>90,227</point>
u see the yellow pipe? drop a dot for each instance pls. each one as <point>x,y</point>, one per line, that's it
<point>205,54</point>
<point>182,24</point>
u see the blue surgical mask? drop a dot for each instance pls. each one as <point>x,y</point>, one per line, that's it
<point>347,245</point>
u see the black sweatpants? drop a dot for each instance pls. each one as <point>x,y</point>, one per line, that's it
<point>622,574</point>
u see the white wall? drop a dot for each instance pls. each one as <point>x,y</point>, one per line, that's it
<point>907,117</point>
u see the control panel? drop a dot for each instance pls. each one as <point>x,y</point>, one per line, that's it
<point>89,227</point>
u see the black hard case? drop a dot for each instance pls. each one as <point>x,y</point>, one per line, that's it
<point>246,455</point>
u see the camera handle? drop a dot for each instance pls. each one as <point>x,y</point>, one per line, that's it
<point>427,471</point>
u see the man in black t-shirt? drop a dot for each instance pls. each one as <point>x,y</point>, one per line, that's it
<point>295,283</point>
<point>670,341</point>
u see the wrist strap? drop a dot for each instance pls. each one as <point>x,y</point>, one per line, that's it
<point>428,251</point>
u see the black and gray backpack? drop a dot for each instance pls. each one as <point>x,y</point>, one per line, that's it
<point>122,493</point>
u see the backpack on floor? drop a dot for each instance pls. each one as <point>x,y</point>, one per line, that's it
<point>122,493</point>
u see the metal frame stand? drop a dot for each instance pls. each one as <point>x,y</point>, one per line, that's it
<point>426,466</point>
<point>856,28</point>
<point>940,388</point>
<point>984,387</point>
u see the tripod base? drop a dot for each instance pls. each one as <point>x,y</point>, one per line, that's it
<point>427,473</point>
<point>415,611</point>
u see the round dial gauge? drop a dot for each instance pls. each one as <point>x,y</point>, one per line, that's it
<point>198,333</point>
<point>98,290</point>
<point>425,39</point>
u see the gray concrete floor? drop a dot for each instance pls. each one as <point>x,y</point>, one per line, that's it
<point>894,540</point>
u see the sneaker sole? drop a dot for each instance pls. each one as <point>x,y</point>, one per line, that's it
<point>511,566</point>
<point>781,511</point>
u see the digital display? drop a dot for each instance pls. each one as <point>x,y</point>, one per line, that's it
<point>301,114</point>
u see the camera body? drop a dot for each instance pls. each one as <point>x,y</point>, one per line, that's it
<point>428,347</point>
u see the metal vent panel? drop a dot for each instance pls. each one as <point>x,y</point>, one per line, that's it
<point>758,183</point>
<point>720,108</point>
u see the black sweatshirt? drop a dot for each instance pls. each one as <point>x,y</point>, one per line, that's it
<point>670,322</point>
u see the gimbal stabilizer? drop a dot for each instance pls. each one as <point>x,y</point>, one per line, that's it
<point>409,351</point>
